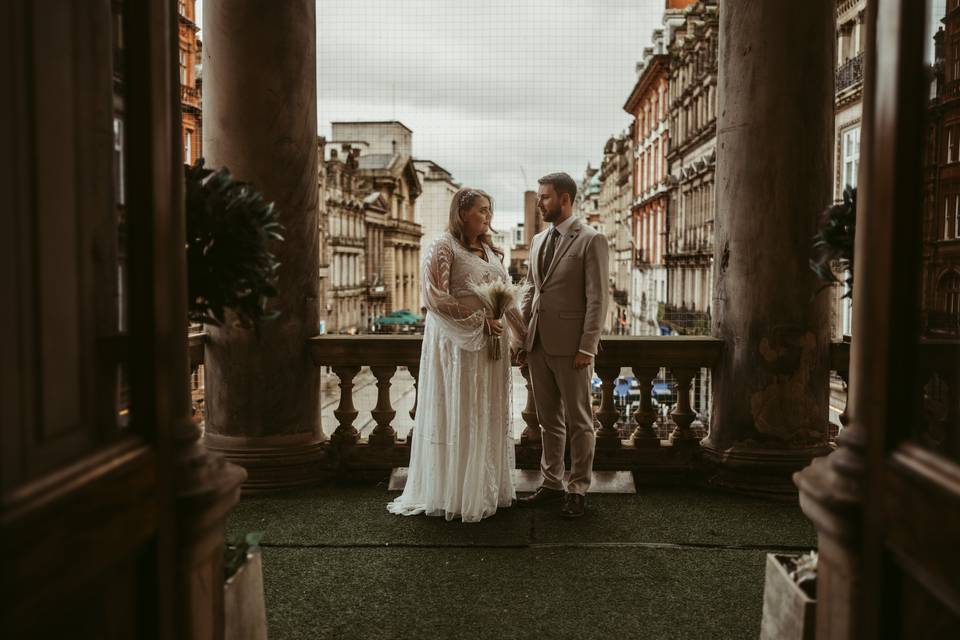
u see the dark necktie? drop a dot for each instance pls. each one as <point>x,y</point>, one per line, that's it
<point>547,255</point>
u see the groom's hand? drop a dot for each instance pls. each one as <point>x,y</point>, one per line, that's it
<point>582,360</point>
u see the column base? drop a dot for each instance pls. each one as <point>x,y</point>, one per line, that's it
<point>273,463</point>
<point>765,472</point>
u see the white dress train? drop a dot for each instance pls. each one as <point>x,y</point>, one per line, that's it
<point>462,455</point>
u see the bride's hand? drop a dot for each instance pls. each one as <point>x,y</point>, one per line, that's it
<point>494,327</point>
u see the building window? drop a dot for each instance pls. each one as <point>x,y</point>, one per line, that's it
<point>956,216</point>
<point>955,60</point>
<point>851,156</point>
<point>946,218</point>
<point>183,67</point>
<point>949,290</point>
<point>187,146</point>
<point>118,175</point>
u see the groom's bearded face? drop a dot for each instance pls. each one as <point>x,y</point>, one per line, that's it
<point>549,204</point>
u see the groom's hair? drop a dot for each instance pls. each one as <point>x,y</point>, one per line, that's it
<point>561,183</point>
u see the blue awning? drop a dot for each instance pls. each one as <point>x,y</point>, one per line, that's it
<point>662,389</point>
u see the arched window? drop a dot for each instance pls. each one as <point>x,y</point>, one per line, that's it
<point>949,293</point>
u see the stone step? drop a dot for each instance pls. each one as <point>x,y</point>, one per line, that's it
<point>527,480</point>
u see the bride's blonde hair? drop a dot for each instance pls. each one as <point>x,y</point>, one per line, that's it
<point>462,201</point>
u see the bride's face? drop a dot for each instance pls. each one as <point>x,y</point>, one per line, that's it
<point>476,219</point>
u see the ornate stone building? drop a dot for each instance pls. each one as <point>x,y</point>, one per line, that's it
<point>376,216</point>
<point>587,205</point>
<point>941,196</point>
<point>343,214</point>
<point>648,106</point>
<point>189,74</point>
<point>433,205</point>
<point>326,302</point>
<point>616,198</point>
<point>691,42</point>
<point>386,166</point>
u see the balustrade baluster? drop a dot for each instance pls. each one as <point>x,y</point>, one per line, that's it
<point>415,372</point>
<point>531,435</point>
<point>383,434</point>
<point>644,436</point>
<point>346,413</point>
<point>682,414</point>
<point>843,417</point>
<point>607,435</point>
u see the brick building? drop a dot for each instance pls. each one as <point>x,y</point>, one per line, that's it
<point>648,222</point>
<point>190,84</point>
<point>941,195</point>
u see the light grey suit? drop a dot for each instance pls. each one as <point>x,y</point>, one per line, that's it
<point>563,309</point>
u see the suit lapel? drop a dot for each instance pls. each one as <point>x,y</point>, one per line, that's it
<point>535,259</point>
<point>565,243</point>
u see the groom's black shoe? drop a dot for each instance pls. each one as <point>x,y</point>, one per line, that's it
<point>574,505</point>
<point>543,495</point>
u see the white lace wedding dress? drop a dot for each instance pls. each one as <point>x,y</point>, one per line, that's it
<point>462,454</point>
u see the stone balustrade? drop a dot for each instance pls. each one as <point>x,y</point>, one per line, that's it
<point>644,451</point>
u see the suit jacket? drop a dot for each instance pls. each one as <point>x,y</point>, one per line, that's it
<point>566,305</point>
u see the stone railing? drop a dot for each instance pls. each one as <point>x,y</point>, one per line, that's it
<point>196,351</point>
<point>683,356</point>
<point>675,451</point>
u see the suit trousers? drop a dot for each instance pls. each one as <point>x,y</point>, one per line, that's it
<point>562,397</point>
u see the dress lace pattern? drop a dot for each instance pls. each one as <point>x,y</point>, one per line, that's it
<point>462,454</point>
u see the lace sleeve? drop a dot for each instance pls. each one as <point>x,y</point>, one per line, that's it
<point>463,326</point>
<point>518,330</point>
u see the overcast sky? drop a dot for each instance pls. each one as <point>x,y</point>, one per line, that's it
<point>490,88</point>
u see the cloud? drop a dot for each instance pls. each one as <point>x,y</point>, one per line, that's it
<point>487,87</point>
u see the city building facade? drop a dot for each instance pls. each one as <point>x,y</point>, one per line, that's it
<point>691,41</point>
<point>433,205</point>
<point>616,200</point>
<point>190,86</point>
<point>848,114</point>
<point>648,106</point>
<point>343,213</point>
<point>385,166</point>
<point>519,259</point>
<point>941,207</point>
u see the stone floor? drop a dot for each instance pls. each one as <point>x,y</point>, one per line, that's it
<point>661,563</point>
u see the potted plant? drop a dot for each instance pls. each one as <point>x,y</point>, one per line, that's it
<point>789,597</point>
<point>244,609</point>
<point>229,263</point>
<point>833,243</point>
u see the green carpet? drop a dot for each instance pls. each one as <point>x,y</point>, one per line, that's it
<point>512,593</point>
<point>660,564</point>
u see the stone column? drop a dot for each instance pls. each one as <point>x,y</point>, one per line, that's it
<point>774,135</point>
<point>260,121</point>
<point>418,301</point>
<point>390,277</point>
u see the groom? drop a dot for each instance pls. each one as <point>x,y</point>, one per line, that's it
<point>563,308</point>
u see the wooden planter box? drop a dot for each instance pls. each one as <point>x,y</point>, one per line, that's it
<point>788,613</point>
<point>244,610</point>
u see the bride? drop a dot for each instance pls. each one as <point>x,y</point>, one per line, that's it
<point>462,454</point>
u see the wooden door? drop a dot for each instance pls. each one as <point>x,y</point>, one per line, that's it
<point>94,374</point>
<point>911,561</point>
